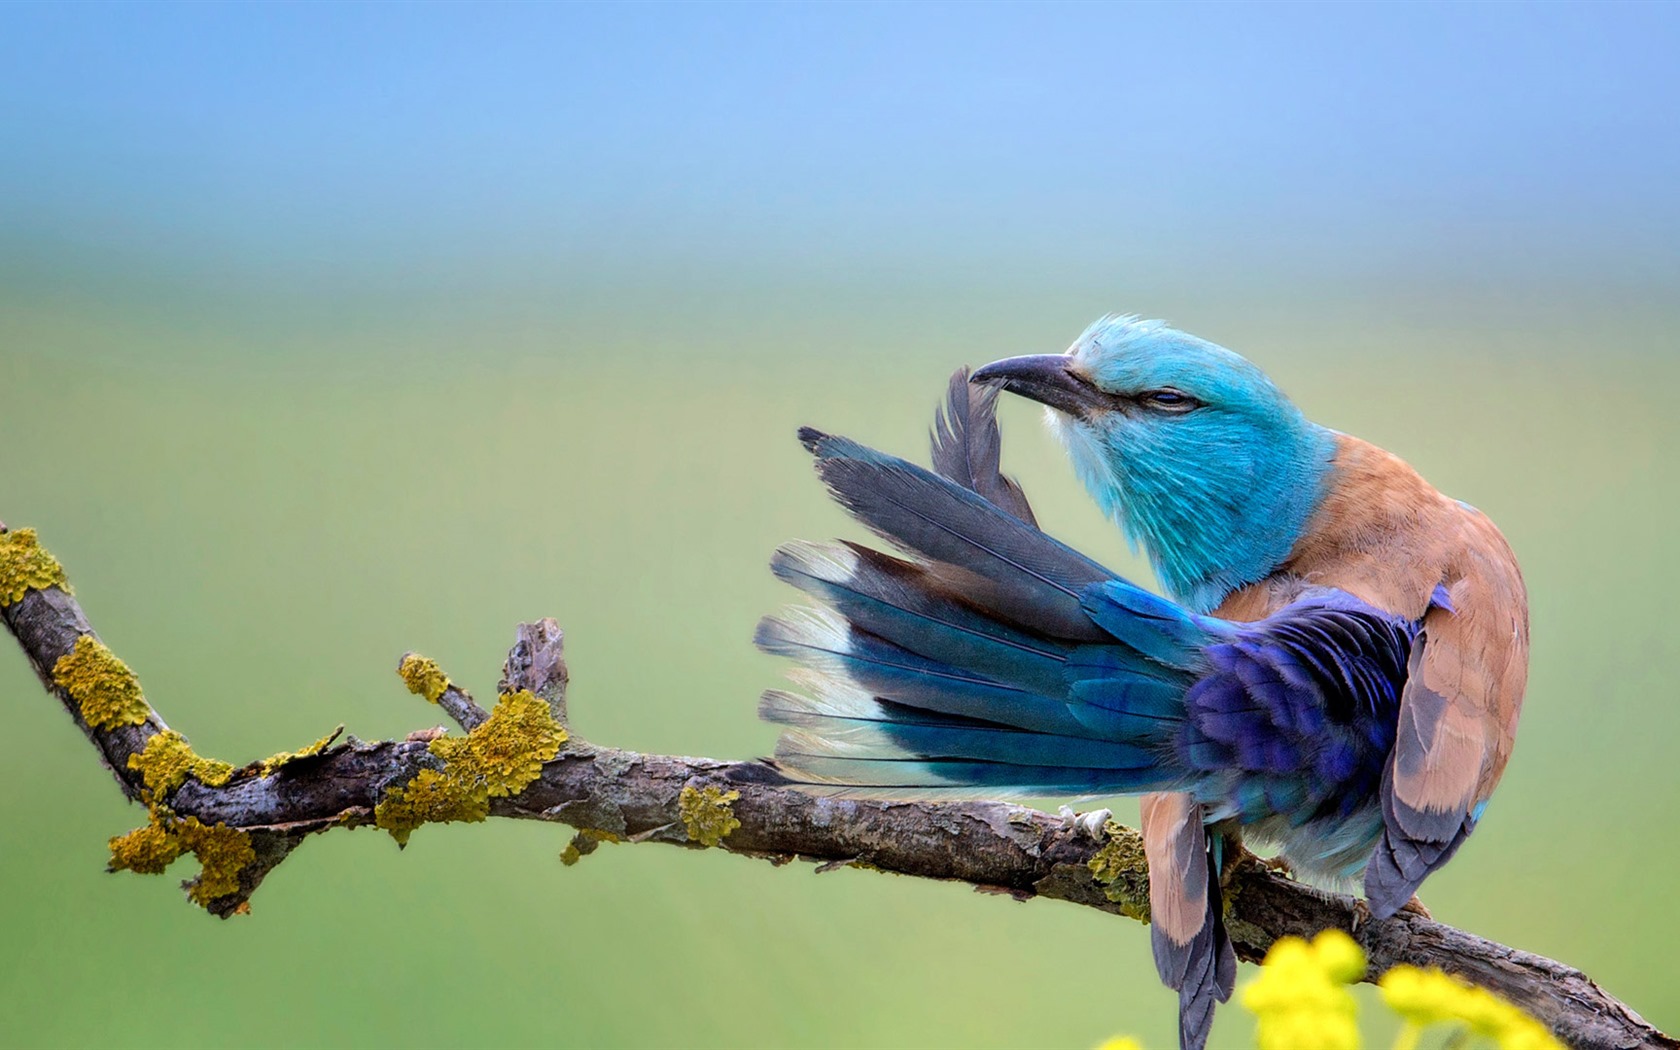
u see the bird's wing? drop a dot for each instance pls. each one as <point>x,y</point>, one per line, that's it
<point>967,446</point>
<point>1193,953</point>
<point>1458,716</point>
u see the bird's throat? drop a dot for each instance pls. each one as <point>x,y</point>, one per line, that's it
<point>1209,524</point>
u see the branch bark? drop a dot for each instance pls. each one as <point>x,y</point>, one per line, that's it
<point>741,807</point>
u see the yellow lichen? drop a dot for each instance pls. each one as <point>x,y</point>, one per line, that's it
<point>585,842</point>
<point>707,813</point>
<point>498,758</point>
<point>26,566</point>
<point>508,749</point>
<point>106,689</point>
<point>1122,870</point>
<point>145,851</point>
<point>423,676</point>
<point>269,765</point>
<point>432,797</point>
<point>222,853</point>
<point>168,760</point>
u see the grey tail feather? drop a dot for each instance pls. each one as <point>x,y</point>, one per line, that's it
<point>991,557</point>
<point>967,446</point>
<point>1207,984</point>
<point>1210,969</point>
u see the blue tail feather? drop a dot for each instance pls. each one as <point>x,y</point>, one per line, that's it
<point>1022,576</point>
<point>1002,662</point>
<point>1139,697</point>
<point>922,778</point>
<point>837,654</point>
<point>889,734</point>
<point>893,600</point>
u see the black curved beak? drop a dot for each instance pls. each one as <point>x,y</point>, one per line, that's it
<point>1045,378</point>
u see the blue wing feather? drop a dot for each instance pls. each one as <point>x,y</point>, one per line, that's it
<point>1284,723</point>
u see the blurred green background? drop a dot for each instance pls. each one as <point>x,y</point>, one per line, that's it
<point>328,333</point>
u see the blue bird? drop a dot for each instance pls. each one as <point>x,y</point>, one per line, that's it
<point>1336,671</point>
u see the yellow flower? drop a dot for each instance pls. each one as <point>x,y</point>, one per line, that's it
<point>1120,1042</point>
<point>1425,997</point>
<point>1301,999</point>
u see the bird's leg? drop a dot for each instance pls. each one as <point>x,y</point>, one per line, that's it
<point>1277,865</point>
<point>1092,825</point>
<point>1362,911</point>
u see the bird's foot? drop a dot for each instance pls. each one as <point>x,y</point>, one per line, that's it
<point>1092,825</point>
<point>1242,856</point>
<point>1362,911</point>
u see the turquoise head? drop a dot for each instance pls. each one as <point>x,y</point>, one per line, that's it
<point>1198,456</point>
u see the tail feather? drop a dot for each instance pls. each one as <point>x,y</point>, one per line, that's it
<point>1140,708</point>
<point>897,601</point>
<point>971,669</point>
<point>889,733</point>
<point>844,741</point>
<point>828,646</point>
<point>1017,573</point>
<point>967,446</point>
<point>915,778</point>
<point>1193,952</point>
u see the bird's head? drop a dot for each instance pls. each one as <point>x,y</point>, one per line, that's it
<point>1190,447</point>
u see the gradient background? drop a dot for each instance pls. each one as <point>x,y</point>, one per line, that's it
<point>328,332</point>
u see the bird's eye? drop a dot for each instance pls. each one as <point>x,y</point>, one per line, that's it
<point>1169,400</point>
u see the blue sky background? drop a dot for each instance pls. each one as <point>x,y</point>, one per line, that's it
<point>298,164</point>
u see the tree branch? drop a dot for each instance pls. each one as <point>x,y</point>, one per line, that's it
<point>263,811</point>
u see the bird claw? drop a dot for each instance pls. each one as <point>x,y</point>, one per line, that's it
<point>1415,907</point>
<point>1092,825</point>
<point>1361,914</point>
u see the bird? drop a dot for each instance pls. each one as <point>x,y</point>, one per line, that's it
<point>1334,668</point>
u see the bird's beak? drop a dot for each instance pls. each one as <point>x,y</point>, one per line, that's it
<point>1046,378</point>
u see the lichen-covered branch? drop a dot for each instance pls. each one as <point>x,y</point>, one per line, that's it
<point>517,760</point>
